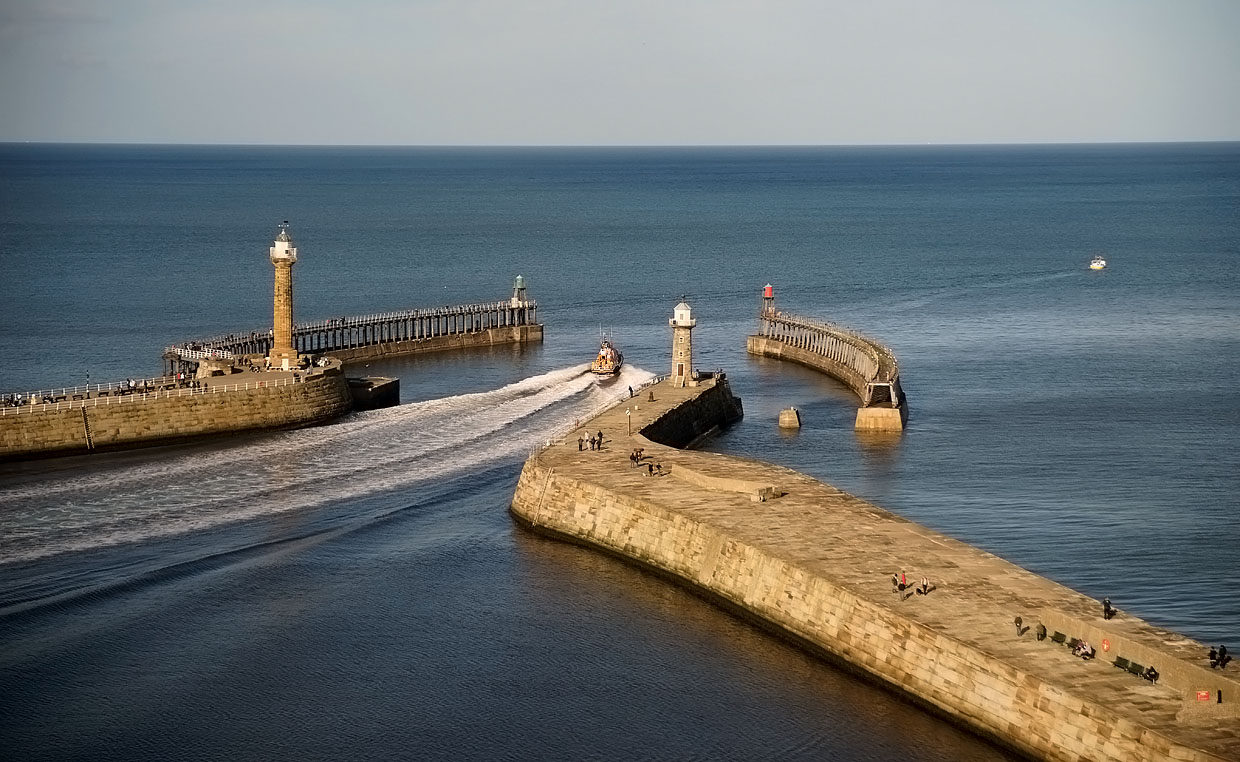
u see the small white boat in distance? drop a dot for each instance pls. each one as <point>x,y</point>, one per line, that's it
<point>1097,263</point>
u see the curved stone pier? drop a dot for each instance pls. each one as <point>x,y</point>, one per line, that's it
<point>862,364</point>
<point>816,564</point>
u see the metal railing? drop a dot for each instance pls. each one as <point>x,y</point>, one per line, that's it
<point>883,357</point>
<point>355,321</point>
<point>202,354</point>
<point>384,317</point>
<point>145,396</point>
<point>68,392</point>
<point>228,346</point>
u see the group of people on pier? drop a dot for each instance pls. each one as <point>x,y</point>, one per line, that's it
<point>595,441</point>
<point>900,583</point>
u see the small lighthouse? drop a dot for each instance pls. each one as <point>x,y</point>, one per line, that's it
<point>682,323</point>
<point>283,256</point>
<point>768,300</point>
<point>518,291</point>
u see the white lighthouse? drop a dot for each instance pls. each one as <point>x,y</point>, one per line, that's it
<point>682,323</point>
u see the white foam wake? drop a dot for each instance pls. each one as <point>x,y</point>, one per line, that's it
<point>366,453</point>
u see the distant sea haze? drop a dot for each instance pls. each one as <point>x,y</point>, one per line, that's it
<point>358,590</point>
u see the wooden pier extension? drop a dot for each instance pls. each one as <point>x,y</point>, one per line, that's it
<point>364,337</point>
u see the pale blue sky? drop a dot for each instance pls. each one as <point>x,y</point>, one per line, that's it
<point>618,72</point>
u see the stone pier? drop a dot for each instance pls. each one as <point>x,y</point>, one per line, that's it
<point>862,364</point>
<point>816,564</point>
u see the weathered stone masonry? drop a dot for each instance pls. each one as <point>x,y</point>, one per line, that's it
<point>703,538</point>
<point>316,398</point>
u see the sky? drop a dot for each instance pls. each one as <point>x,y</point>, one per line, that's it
<point>619,72</point>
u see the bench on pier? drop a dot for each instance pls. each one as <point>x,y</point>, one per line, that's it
<point>1136,669</point>
<point>1121,663</point>
<point>1072,644</point>
<point>1059,637</point>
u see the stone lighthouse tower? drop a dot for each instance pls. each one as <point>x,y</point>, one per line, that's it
<point>682,323</point>
<point>283,256</point>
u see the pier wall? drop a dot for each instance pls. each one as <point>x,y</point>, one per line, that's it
<point>863,365</point>
<point>172,417</point>
<point>778,350</point>
<point>646,524</point>
<point>713,407</point>
<point>518,334</point>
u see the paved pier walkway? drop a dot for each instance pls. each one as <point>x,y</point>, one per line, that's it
<point>859,546</point>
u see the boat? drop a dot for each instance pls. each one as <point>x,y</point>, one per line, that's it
<point>609,359</point>
<point>1097,263</point>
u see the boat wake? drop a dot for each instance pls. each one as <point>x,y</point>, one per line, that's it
<point>377,453</point>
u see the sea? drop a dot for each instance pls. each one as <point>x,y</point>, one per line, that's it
<point>359,591</point>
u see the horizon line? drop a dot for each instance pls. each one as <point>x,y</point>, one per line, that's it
<point>931,144</point>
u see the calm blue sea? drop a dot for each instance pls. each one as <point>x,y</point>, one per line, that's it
<point>359,591</point>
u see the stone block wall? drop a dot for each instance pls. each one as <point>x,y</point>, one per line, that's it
<point>715,406</point>
<point>1015,708</point>
<point>845,374</point>
<point>54,431</point>
<point>136,423</point>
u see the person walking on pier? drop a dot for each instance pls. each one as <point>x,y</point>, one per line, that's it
<point>630,392</point>
<point>581,443</point>
<point>1107,611</point>
<point>600,439</point>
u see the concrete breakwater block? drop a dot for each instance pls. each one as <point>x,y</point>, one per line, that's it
<point>881,419</point>
<point>790,418</point>
<point>374,392</point>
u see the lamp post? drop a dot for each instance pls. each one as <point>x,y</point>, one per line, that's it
<point>628,419</point>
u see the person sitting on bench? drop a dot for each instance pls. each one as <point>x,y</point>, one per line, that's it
<point>1151,674</point>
